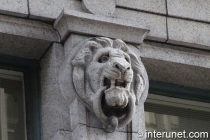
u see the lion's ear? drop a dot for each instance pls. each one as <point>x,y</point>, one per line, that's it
<point>139,87</point>
<point>84,54</point>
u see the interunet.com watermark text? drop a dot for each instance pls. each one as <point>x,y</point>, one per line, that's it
<point>173,135</point>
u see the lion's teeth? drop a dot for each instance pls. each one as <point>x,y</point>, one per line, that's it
<point>112,82</point>
<point>126,85</point>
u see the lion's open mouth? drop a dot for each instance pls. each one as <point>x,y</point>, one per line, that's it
<point>116,82</point>
<point>116,109</point>
<point>113,110</point>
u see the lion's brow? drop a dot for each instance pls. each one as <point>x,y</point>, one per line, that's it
<point>118,53</point>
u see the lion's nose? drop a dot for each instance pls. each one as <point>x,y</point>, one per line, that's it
<point>122,66</point>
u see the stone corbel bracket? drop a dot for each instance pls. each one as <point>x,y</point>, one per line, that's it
<point>95,25</point>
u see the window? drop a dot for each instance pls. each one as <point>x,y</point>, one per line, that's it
<point>20,99</point>
<point>167,114</point>
<point>12,106</point>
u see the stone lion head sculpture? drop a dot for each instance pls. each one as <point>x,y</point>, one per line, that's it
<point>108,78</point>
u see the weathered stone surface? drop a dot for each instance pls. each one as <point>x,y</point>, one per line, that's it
<point>138,121</point>
<point>139,136</point>
<point>14,7</point>
<point>27,28</point>
<point>191,9</point>
<point>189,33</point>
<point>154,6</point>
<point>156,23</point>
<point>180,74</point>
<point>94,122</point>
<point>55,110</point>
<point>74,114</point>
<point>81,132</point>
<point>100,7</point>
<point>53,58</point>
<point>84,132</point>
<point>49,10</point>
<point>25,38</point>
<point>175,54</point>
<point>71,42</point>
<point>83,23</point>
<point>100,134</point>
<point>172,64</point>
<point>22,46</point>
<point>62,135</point>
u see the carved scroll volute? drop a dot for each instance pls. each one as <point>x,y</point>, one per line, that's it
<point>108,78</point>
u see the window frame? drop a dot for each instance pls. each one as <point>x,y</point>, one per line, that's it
<point>178,91</point>
<point>177,96</point>
<point>30,69</point>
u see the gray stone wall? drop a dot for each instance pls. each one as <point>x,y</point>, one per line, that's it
<point>176,50</point>
<point>174,22</point>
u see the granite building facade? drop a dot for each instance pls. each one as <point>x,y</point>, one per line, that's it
<point>39,38</point>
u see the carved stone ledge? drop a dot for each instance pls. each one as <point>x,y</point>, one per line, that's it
<point>25,38</point>
<point>96,25</point>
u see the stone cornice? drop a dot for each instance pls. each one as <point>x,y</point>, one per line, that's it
<point>27,28</point>
<point>96,25</point>
<point>25,38</point>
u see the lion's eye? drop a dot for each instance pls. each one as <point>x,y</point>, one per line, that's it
<point>103,59</point>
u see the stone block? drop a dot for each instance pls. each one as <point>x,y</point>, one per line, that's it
<point>92,121</point>
<point>71,42</point>
<point>175,73</point>
<point>154,6</point>
<point>191,9</point>
<point>67,85</point>
<point>156,23</point>
<point>177,65</point>
<point>23,47</point>
<point>189,33</point>
<point>54,57</point>
<point>25,38</point>
<point>55,110</point>
<point>74,114</point>
<point>138,121</point>
<point>176,54</point>
<point>100,7</point>
<point>95,25</point>
<point>138,136</point>
<point>80,133</point>
<point>62,135</point>
<point>88,132</point>
<point>50,65</point>
<point>54,117</point>
<point>14,7</point>
<point>27,28</point>
<point>49,10</point>
<point>100,134</point>
<point>49,75</point>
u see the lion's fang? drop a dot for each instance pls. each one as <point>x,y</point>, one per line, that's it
<point>112,82</point>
